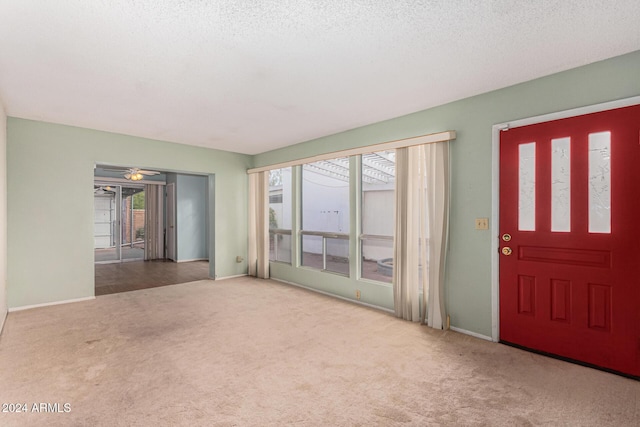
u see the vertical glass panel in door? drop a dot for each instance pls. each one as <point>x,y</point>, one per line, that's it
<point>106,239</point>
<point>527,187</point>
<point>561,184</point>
<point>600,182</point>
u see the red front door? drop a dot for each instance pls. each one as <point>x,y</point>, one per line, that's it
<point>570,238</point>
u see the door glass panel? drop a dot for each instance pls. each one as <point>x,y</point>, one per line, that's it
<point>527,187</point>
<point>105,223</point>
<point>561,184</point>
<point>600,182</point>
<point>119,222</point>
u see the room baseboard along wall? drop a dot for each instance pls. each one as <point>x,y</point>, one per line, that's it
<point>453,328</point>
<point>228,277</point>
<point>46,304</point>
<point>333,295</point>
<point>473,334</point>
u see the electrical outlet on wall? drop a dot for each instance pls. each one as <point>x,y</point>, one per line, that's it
<point>482,223</point>
<point>357,294</point>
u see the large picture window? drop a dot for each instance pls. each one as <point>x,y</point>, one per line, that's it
<point>280,215</point>
<point>378,204</point>
<point>325,215</point>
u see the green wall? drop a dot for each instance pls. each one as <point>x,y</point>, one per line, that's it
<point>50,203</point>
<point>468,290</point>
<point>3,215</point>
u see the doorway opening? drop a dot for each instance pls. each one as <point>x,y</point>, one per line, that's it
<point>150,231</point>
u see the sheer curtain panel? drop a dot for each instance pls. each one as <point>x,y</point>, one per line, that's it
<point>437,186</point>
<point>406,241</point>
<point>258,257</point>
<point>420,243</point>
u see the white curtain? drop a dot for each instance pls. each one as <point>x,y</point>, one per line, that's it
<point>420,243</point>
<point>153,223</point>
<point>258,257</point>
<point>405,244</point>
<point>437,186</point>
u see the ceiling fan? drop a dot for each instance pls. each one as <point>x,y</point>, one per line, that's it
<point>134,174</point>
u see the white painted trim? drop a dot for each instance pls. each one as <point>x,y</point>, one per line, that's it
<point>194,259</point>
<point>400,143</point>
<point>229,277</point>
<point>596,108</point>
<point>495,176</point>
<point>46,304</point>
<point>495,233</point>
<point>473,334</point>
<point>98,179</point>
<point>377,307</point>
<point>3,318</point>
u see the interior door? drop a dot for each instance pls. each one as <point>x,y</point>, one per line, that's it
<point>570,238</point>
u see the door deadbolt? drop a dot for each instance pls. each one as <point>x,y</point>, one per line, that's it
<point>506,237</point>
<point>506,251</point>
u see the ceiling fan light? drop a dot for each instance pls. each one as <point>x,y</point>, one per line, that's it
<point>127,176</point>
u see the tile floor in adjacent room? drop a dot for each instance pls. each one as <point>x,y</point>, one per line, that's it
<point>134,275</point>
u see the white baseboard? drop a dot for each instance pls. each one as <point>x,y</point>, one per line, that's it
<point>46,304</point>
<point>191,260</point>
<point>230,277</point>
<point>329,294</point>
<point>473,334</point>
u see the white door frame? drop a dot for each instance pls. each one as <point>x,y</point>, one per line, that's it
<point>171,221</point>
<point>495,193</point>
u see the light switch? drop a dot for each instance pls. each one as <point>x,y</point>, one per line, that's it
<point>482,223</point>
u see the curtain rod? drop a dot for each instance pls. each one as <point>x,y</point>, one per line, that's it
<point>400,143</point>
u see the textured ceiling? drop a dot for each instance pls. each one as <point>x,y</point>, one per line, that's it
<point>251,76</point>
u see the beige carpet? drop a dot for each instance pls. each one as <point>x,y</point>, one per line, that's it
<point>254,352</point>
